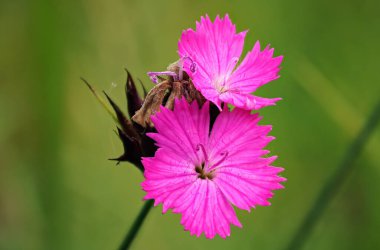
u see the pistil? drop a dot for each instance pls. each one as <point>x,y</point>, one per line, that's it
<point>208,172</point>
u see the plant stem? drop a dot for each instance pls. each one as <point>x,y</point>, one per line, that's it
<point>336,180</point>
<point>136,225</point>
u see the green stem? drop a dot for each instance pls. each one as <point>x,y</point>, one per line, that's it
<point>336,180</point>
<point>136,225</point>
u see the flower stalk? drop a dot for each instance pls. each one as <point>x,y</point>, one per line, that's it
<point>136,225</point>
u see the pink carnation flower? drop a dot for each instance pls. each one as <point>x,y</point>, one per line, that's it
<point>210,55</point>
<point>201,174</point>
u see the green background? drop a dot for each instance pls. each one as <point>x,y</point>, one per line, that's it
<point>59,191</point>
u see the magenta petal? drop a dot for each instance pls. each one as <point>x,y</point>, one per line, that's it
<point>201,175</point>
<point>257,69</point>
<point>247,101</point>
<point>244,177</point>
<point>210,55</point>
<point>209,212</point>
<point>182,131</point>
<point>214,47</point>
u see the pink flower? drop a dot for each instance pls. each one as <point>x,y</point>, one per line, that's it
<point>201,174</point>
<point>210,54</point>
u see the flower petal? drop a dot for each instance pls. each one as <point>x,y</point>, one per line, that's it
<point>210,53</point>
<point>234,128</point>
<point>244,177</point>
<point>237,173</point>
<point>166,178</point>
<point>209,212</point>
<point>246,188</point>
<point>247,101</point>
<point>182,130</point>
<point>257,69</point>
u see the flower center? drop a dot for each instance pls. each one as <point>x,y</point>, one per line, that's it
<point>221,80</point>
<point>207,170</point>
<point>203,174</point>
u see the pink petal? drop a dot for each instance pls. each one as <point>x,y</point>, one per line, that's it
<point>257,69</point>
<point>209,56</point>
<point>246,101</point>
<point>210,53</point>
<point>182,130</point>
<point>209,212</point>
<point>166,179</point>
<point>233,128</point>
<point>232,156</point>
<point>244,177</point>
<point>247,188</point>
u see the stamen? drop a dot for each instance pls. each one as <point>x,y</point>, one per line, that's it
<point>154,79</point>
<point>201,147</point>
<point>193,66</point>
<point>155,75</point>
<point>224,156</point>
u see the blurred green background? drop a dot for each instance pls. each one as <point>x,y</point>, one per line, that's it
<point>59,191</point>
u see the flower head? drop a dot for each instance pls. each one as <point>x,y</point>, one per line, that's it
<point>210,55</point>
<point>201,173</point>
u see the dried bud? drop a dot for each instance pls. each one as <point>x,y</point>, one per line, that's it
<point>151,103</point>
<point>129,136</point>
<point>133,99</point>
<point>132,150</point>
<point>135,142</point>
<point>126,125</point>
<point>176,85</point>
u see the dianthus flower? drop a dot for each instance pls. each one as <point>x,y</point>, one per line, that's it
<point>209,56</point>
<point>201,172</point>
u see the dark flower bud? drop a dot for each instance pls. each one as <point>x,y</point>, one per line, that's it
<point>133,99</point>
<point>132,132</point>
<point>132,150</point>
